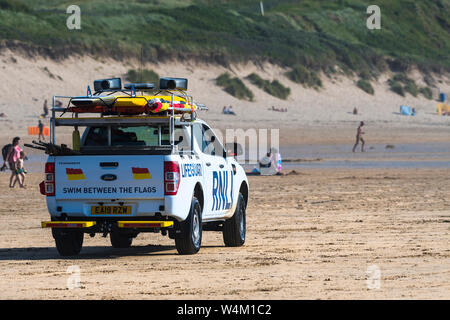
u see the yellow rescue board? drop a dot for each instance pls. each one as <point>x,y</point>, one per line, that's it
<point>130,105</point>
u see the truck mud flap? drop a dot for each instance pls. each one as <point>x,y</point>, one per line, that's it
<point>179,230</point>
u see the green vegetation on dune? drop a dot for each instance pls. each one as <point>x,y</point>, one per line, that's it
<point>365,86</point>
<point>426,92</point>
<point>144,75</point>
<point>400,83</point>
<point>274,88</point>
<point>302,75</point>
<point>234,86</point>
<point>318,35</point>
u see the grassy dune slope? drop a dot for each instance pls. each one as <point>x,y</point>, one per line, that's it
<point>315,33</point>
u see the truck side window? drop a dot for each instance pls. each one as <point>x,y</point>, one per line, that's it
<point>203,135</point>
<point>198,136</point>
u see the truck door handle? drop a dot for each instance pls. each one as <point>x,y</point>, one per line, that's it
<point>109,164</point>
<point>208,164</point>
<point>221,166</point>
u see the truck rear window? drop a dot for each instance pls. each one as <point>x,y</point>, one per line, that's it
<point>145,136</point>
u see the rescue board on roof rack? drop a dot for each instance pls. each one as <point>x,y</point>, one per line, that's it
<point>129,105</point>
<point>132,104</point>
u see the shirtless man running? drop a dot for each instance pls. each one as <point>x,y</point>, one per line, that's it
<point>359,134</point>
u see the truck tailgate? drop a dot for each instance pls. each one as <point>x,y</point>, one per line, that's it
<point>109,177</point>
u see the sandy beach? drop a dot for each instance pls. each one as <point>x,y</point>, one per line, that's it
<point>315,238</point>
<point>312,234</point>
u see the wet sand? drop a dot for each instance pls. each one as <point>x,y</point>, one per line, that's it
<point>310,235</point>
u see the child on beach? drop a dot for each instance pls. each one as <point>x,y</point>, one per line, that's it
<point>20,170</point>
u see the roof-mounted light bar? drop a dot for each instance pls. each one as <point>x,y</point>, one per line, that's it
<point>111,84</point>
<point>139,86</point>
<point>173,84</point>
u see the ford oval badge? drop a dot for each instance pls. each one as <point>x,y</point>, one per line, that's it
<point>109,177</point>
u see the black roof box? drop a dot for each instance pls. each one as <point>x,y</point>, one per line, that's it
<point>111,84</point>
<point>139,86</point>
<point>173,83</point>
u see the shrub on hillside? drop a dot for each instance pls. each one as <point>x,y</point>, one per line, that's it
<point>14,5</point>
<point>234,86</point>
<point>145,75</point>
<point>426,92</point>
<point>300,74</point>
<point>365,86</point>
<point>400,83</point>
<point>411,87</point>
<point>274,88</point>
<point>396,87</point>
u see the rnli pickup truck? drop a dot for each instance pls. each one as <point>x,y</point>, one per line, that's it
<point>125,174</point>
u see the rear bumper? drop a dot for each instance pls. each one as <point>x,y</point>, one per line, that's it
<point>102,226</point>
<point>82,209</point>
<point>68,224</point>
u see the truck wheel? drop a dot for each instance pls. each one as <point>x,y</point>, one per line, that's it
<point>119,240</point>
<point>234,228</point>
<point>191,239</point>
<point>68,243</point>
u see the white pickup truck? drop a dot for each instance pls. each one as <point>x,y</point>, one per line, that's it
<point>147,173</point>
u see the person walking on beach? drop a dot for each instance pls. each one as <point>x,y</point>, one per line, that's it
<point>45,114</point>
<point>359,133</point>
<point>12,157</point>
<point>41,131</point>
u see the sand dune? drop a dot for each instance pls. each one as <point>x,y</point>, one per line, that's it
<point>27,82</point>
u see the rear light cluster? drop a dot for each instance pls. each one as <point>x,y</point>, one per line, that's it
<point>171,178</point>
<point>50,179</point>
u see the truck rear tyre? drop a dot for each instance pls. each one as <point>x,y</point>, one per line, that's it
<point>119,240</point>
<point>234,229</point>
<point>191,239</point>
<point>68,243</point>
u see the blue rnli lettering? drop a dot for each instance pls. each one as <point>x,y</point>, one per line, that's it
<point>220,188</point>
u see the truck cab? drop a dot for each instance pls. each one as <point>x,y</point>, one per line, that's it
<point>166,173</point>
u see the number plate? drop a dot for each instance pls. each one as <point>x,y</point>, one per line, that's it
<point>122,210</point>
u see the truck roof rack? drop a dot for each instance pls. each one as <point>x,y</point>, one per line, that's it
<point>173,87</point>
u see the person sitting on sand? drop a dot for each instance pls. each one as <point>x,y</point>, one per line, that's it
<point>267,165</point>
<point>359,138</point>
<point>228,110</point>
